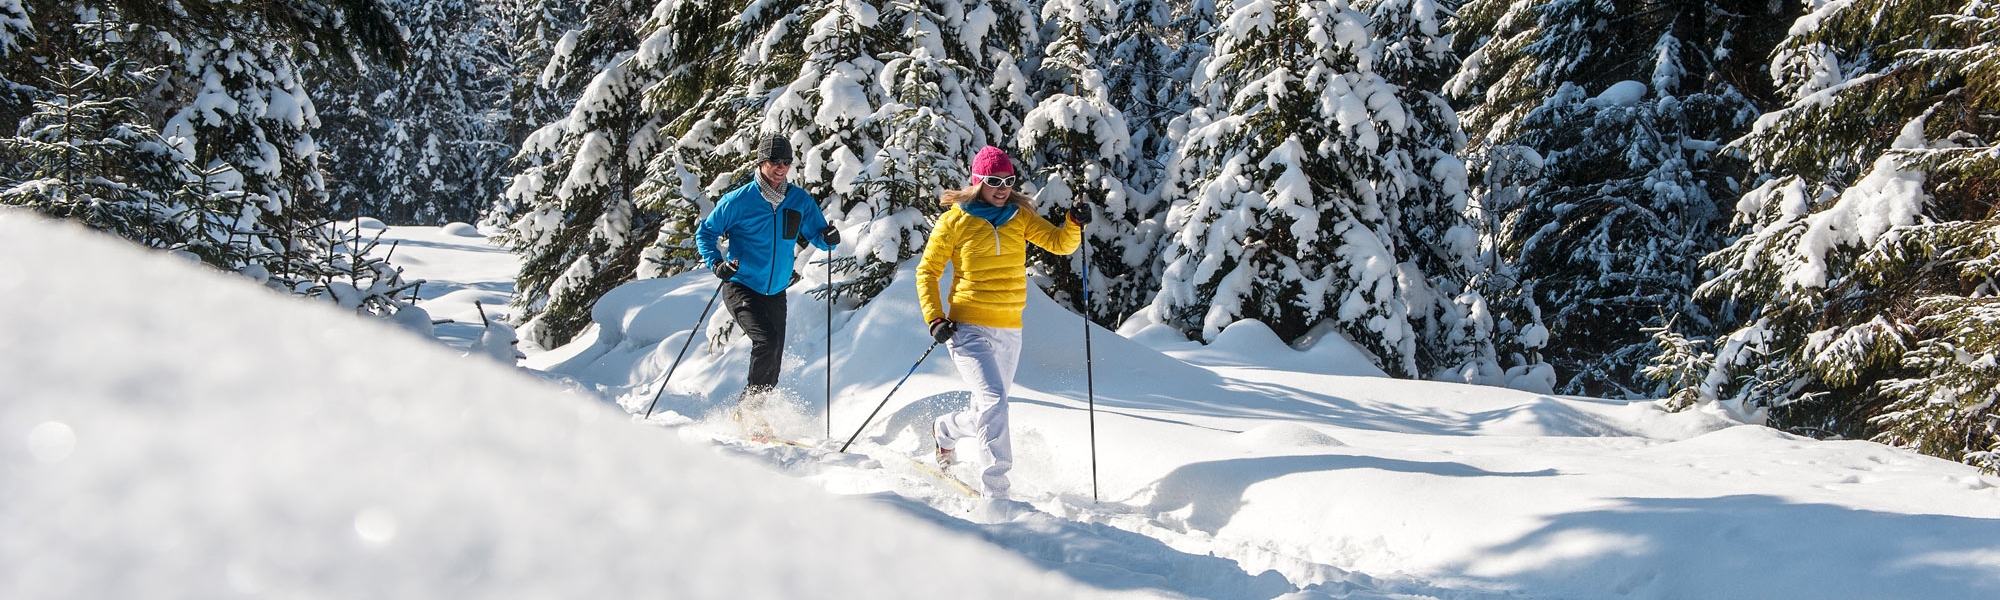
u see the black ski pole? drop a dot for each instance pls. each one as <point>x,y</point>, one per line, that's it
<point>831,294</point>
<point>1089,369</point>
<point>692,333</point>
<point>892,393</point>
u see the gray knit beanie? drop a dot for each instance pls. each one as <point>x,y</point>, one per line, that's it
<point>774,149</point>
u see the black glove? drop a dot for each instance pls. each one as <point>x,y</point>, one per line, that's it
<point>942,329</point>
<point>724,271</point>
<point>1080,214</point>
<point>831,236</point>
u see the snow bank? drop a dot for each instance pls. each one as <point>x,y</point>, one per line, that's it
<point>178,434</point>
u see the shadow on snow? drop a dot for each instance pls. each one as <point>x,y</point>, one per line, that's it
<point>1640,540</point>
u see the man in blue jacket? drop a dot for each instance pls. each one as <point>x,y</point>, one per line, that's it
<point>765,221</point>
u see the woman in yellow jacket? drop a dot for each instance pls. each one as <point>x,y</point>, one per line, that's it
<point>983,236</point>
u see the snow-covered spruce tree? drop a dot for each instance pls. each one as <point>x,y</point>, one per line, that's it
<point>251,114</point>
<point>997,43</point>
<point>425,144</point>
<point>231,174</point>
<point>948,83</point>
<point>927,126</point>
<point>1160,130</point>
<point>86,147</point>
<point>1429,191</point>
<point>705,102</point>
<point>1076,143</point>
<point>1280,212</point>
<point>1863,280</point>
<point>1147,87</point>
<point>1191,33</point>
<point>17,32</point>
<point>1680,362</point>
<point>1143,82</point>
<point>244,119</point>
<point>1621,140</point>
<point>541,34</point>
<point>580,233</point>
<point>87,155</point>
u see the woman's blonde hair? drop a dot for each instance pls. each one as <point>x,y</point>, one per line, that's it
<point>971,192</point>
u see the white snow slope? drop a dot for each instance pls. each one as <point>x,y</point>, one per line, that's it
<point>201,436</point>
<point>175,433</point>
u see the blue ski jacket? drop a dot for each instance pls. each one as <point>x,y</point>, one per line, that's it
<point>762,240</point>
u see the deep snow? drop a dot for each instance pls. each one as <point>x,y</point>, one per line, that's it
<point>178,433</point>
<point>220,439</point>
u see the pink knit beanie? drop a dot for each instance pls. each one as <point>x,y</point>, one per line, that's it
<point>991,161</point>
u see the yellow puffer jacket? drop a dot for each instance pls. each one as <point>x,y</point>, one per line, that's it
<point>989,279</point>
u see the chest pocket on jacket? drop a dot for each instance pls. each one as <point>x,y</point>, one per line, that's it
<point>792,220</point>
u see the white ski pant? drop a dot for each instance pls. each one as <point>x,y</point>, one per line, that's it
<point>986,358</point>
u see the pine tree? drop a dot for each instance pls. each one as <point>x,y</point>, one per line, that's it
<point>1141,77</point>
<point>231,175</point>
<point>991,40</point>
<point>543,34</point>
<point>1864,272</point>
<point>1147,84</point>
<point>1278,188</point>
<point>1680,363</point>
<point>422,145</point>
<point>1619,145</point>
<point>1428,191</point>
<point>15,27</point>
<point>580,233</point>
<point>706,102</point>
<point>1078,142</point>
<point>87,155</point>
<point>927,127</point>
<point>950,85</point>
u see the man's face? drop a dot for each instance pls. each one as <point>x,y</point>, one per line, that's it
<point>775,171</point>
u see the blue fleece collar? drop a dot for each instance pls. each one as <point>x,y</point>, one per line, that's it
<point>997,215</point>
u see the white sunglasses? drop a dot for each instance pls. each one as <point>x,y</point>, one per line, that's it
<point>998,181</point>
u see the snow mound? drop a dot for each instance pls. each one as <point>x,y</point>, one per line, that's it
<point>461,229</point>
<point>309,452</point>
<point>1156,336</point>
<point>1251,343</point>
<point>370,223</point>
<point>1543,416</point>
<point>1285,435</point>
<point>1740,436</point>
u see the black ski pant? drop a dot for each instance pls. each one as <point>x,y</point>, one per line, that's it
<point>763,319</point>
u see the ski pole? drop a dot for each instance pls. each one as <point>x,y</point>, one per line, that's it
<point>892,393</point>
<point>832,293</point>
<point>684,348</point>
<point>1089,369</point>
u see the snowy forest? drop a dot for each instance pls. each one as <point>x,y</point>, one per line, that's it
<point>1782,208</point>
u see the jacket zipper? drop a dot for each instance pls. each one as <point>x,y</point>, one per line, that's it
<point>777,214</point>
